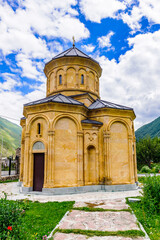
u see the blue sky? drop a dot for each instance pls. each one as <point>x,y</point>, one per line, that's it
<point>123,36</point>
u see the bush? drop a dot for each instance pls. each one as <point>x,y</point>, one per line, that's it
<point>151,194</point>
<point>155,168</point>
<point>10,219</point>
<point>145,169</point>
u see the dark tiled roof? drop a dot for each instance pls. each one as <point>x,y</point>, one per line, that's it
<point>73,52</point>
<point>58,98</point>
<point>82,94</point>
<point>23,118</point>
<point>104,104</point>
<point>92,121</point>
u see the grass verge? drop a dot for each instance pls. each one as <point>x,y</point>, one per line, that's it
<point>87,209</point>
<point>90,233</point>
<point>7,181</point>
<point>150,222</point>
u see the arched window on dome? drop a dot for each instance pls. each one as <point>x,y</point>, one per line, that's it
<point>82,79</point>
<point>60,79</point>
<point>38,128</point>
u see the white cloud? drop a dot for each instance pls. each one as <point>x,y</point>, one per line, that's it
<point>135,80</point>
<point>30,68</point>
<point>45,18</point>
<point>10,82</point>
<point>105,41</point>
<point>13,101</point>
<point>146,8</point>
<point>95,10</point>
<point>88,47</point>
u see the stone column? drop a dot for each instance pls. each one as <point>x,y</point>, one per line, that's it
<point>130,158</point>
<point>87,81</point>
<point>45,168</point>
<point>22,161</point>
<point>26,161</point>
<point>30,167</point>
<point>55,81</point>
<point>65,78</point>
<point>80,162</point>
<point>135,160</point>
<point>50,160</point>
<point>107,164</point>
<point>77,78</point>
<point>97,167</point>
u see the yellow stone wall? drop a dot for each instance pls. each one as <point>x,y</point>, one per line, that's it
<point>78,154</point>
<point>71,69</point>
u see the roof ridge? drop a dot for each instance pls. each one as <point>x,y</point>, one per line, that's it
<point>116,104</point>
<point>62,52</point>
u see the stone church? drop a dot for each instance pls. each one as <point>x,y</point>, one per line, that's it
<point>73,141</point>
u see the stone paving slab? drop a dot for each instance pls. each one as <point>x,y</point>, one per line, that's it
<point>13,192</point>
<point>71,236</point>
<point>101,221</point>
<point>116,204</point>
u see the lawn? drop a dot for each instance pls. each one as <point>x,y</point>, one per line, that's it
<point>36,220</point>
<point>150,222</point>
<point>148,210</point>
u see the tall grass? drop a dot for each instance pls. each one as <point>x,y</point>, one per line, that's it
<point>151,194</point>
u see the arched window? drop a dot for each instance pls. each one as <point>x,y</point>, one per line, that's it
<point>60,79</point>
<point>38,146</point>
<point>82,79</point>
<point>38,128</point>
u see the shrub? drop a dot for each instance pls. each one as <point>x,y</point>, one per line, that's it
<point>10,219</point>
<point>155,168</point>
<point>145,169</point>
<point>151,194</point>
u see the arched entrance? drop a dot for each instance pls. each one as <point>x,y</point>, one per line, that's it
<point>38,166</point>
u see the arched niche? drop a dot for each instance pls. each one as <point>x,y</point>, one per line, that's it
<point>91,81</point>
<point>71,77</point>
<point>38,146</point>
<point>91,156</point>
<point>52,82</point>
<point>119,155</point>
<point>65,152</point>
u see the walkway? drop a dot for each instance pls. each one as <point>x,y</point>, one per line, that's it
<point>112,220</point>
<point>94,220</point>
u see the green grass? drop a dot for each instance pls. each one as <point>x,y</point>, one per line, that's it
<point>90,233</point>
<point>41,218</point>
<point>150,222</point>
<point>7,181</point>
<point>141,179</point>
<point>89,209</point>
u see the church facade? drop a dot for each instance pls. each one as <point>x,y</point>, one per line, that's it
<point>72,141</point>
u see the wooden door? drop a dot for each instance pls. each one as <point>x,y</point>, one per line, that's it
<point>38,177</point>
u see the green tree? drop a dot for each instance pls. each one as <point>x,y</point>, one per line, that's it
<point>148,151</point>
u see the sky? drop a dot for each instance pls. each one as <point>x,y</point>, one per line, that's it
<point>123,36</point>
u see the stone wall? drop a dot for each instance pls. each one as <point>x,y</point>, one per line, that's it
<point>12,177</point>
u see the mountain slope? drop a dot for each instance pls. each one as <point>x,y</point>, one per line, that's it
<point>11,134</point>
<point>151,129</point>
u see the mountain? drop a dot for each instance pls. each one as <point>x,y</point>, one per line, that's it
<point>151,129</point>
<point>11,134</point>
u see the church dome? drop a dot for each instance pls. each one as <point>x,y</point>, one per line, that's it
<point>73,72</point>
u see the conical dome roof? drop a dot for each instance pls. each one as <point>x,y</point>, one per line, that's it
<point>73,52</point>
